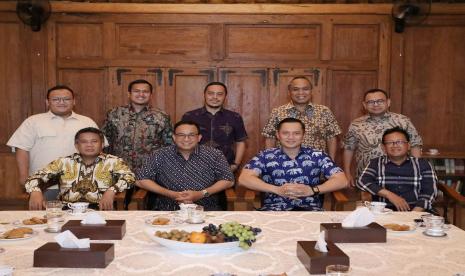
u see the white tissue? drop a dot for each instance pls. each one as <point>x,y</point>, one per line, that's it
<point>359,218</point>
<point>68,240</point>
<point>321,243</point>
<point>93,218</point>
<point>6,270</point>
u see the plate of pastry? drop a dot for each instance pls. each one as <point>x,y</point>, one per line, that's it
<point>400,228</point>
<point>17,234</point>
<point>163,221</point>
<point>34,222</point>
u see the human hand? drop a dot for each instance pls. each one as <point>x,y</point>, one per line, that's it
<point>36,201</point>
<point>350,179</point>
<point>398,202</point>
<point>189,196</point>
<point>296,190</point>
<point>106,202</point>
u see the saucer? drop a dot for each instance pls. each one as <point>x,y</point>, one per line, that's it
<point>196,222</point>
<point>443,234</point>
<point>384,212</point>
<point>52,231</point>
<point>70,212</point>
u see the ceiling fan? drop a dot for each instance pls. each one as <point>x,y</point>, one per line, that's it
<point>33,12</point>
<point>409,13</point>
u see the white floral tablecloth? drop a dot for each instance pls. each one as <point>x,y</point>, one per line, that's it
<point>275,251</point>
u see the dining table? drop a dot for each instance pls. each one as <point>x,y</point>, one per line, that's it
<point>274,252</point>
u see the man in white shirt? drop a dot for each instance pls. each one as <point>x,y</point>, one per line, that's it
<point>44,137</point>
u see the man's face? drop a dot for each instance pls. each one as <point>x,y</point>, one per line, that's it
<point>300,91</point>
<point>140,94</point>
<point>376,103</point>
<point>215,96</point>
<point>60,102</point>
<point>89,144</point>
<point>186,137</point>
<point>396,145</point>
<point>290,135</point>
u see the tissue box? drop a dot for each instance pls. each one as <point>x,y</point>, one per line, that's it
<point>315,261</point>
<point>51,254</point>
<point>373,232</point>
<point>113,230</point>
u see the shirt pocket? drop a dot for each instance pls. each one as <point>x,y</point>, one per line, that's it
<point>46,132</point>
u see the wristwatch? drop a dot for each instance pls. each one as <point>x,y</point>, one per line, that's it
<point>205,193</point>
<point>316,190</point>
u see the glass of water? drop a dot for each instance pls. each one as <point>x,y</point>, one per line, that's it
<point>54,215</point>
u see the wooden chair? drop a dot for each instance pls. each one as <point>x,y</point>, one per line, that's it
<point>450,199</point>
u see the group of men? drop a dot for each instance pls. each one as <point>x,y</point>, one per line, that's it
<point>195,161</point>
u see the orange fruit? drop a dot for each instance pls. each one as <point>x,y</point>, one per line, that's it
<point>198,237</point>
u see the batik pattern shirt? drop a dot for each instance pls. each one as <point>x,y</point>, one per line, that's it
<point>168,168</point>
<point>365,135</point>
<point>80,182</point>
<point>135,135</point>
<point>275,167</point>
<point>320,124</point>
<point>220,131</point>
<point>414,180</point>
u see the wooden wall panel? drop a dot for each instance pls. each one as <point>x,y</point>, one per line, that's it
<point>169,41</point>
<point>79,40</point>
<point>355,42</point>
<point>279,42</point>
<point>87,85</point>
<point>434,84</point>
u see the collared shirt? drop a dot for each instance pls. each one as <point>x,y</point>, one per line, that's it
<point>135,135</point>
<point>414,180</point>
<point>275,167</point>
<point>47,137</point>
<point>220,131</point>
<point>168,168</point>
<point>365,134</point>
<point>81,182</point>
<point>320,124</point>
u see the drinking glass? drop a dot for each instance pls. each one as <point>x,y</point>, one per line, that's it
<point>337,270</point>
<point>54,215</point>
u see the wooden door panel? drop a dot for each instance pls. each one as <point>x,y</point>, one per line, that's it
<point>355,42</point>
<point>79,40</point>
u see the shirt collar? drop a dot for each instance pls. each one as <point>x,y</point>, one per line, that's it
<point>291,106</point>
<point>204,110</point>
<point>78,158</point>
<point>51,115</point>
<point>380,118</point>
<point>387,160</point>
<point>131,108</point>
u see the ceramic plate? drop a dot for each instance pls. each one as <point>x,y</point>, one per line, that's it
<point>21,224</point>
<point>384,212</point>
<point>27,236</point>
<point>193,247</point>
<point>172,223</point>
<point>412,228</point>
<point>70,212</point>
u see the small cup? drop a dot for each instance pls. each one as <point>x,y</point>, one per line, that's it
<point>183,212</point>
<point>434,225</point>
<point>78,207</point>
<point>377,207</point>
<point>196,215</point>
<point>337,270</point>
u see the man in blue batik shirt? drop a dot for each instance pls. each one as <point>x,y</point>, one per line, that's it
<point>290,175</point>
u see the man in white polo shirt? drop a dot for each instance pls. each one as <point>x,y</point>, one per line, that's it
<point>44,137</point>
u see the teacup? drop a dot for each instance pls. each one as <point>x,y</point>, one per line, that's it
<point>183,212</point>
<point>376,206</point>
<point>196,215</point>
<point>78,207</point>
<point>434,225</point>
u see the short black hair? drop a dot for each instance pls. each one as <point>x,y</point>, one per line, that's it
<point>140,81</point>
<point>299,78</point>
<point>375,90</point>
<point>290,120</point>
<point>59,87</point>
<point>216,83</point>
<point>396,129</point>
<point>186,122</point>
<point>89,130</point>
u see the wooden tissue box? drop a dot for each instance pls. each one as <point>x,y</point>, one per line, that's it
<point>113,230</point>
<point>315,261</point>
<point>371,233</point>
<point>99,255</point>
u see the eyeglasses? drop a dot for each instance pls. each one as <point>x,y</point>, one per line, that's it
<point>376,102</point>
<point>57,100</point>
<point>395,143</point>
<point>141,91</point>
<point>297,89</point>
<point>184,136</point>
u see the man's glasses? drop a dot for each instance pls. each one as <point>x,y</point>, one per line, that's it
<point>395,143</point>
<point>184,135</point>
<point>376,102</point>
<point>297,89</point>
<point>58,100</point>
<point>140,91</point>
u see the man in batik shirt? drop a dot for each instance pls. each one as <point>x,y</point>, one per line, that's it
<point>365,133</point>
<point>290,174</point>
<point>87,176</point>
<point>136,130</point>
<point>321,127</point>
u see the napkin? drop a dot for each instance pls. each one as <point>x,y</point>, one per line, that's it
<point>321,243</point>
<point>93,218</point>
<point>68,240</point>
<point>359,218</point>
<point>6,270</point>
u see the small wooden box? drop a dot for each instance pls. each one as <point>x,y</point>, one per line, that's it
<point>112,230</point>
<point>315,261</point>
<point>371,233</point>
<point>51,254</point>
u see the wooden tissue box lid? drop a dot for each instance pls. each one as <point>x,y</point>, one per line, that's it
<point>371,233</point>
<point>315,261</point>
<point>113,230</point>
<point>99,255</point>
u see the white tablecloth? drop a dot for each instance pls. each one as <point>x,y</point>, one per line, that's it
<point>274,252</point>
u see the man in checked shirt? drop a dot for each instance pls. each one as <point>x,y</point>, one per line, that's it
<point>404,182</point>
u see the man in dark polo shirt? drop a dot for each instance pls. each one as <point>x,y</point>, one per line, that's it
<point>404,182</point>
<point>220,128</point>
<point>186,172</point>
